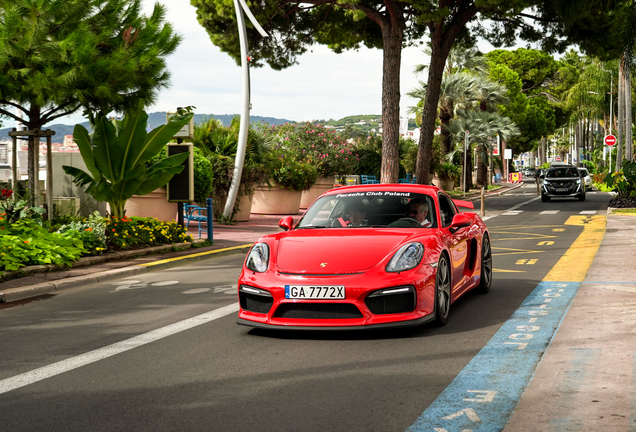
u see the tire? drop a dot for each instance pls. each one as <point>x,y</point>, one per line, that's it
<point>582,197</point>
<point>442,291</point>
<point>485,280</point>
<point>545,198</point>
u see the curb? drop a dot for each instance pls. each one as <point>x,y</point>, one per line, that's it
<point>21,293</point>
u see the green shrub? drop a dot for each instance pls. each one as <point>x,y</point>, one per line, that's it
<point>27,243</point>
<point>92,232</point>
<point>623,181</point>
<point>127,232</point>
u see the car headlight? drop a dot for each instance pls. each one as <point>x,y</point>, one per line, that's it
<point>578,181</point>
<point>258,258</point>
<point>546,183</point>
<point>406,258</point>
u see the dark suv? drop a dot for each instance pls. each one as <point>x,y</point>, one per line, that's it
<point>562,181</point>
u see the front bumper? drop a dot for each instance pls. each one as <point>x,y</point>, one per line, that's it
<point>571,189</point>
<point>270,309</point>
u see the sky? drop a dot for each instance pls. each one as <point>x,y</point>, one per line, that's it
<point>323,85</point>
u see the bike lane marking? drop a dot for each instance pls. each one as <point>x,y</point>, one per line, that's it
<point>484,394</point>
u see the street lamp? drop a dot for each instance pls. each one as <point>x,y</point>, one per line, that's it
<point>240,6</point>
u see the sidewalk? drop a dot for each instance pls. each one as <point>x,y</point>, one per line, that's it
<point>586,380</point>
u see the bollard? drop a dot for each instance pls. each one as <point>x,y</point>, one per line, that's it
<point>210,221</point>
<point>538,188</point>
<point>482,211</point>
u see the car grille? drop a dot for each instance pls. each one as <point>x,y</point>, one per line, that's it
<point>255,303</point>
<point>563,184</point>
<point>317,311</point>
<point>391,303</point>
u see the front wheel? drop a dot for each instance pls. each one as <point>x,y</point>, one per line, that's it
<point>545,198</point>
<point>582,197</point>
<point>442,291</point>
<point>485,281</point>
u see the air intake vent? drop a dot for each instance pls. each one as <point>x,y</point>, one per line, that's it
<point>317,311</point>
<point>391,301</point>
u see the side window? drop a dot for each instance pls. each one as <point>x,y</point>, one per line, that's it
<point>446,210</point>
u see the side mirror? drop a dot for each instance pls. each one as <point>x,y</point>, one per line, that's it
<point>460,220</point>
<point>286,223</point>
<point>542,176</point>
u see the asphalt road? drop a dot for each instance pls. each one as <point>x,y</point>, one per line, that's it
<point>151,353</point>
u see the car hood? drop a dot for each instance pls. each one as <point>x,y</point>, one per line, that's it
<point>336,251</point>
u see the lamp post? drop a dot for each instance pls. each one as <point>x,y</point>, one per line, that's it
<point>241,7</point>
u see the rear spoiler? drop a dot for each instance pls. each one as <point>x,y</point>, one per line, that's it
<point>467,204</point>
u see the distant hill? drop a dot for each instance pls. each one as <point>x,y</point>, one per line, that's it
<point>154,119</point>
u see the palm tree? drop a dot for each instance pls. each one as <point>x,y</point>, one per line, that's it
<point>482,125</point>
<point>458,90</point>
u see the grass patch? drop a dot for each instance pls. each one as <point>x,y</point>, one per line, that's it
<point>625,211</point>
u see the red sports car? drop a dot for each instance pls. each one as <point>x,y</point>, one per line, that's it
<point>366,256</point>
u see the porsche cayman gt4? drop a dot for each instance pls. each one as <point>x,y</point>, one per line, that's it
<point>366,256</point>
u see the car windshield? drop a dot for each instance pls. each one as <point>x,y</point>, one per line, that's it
<point>377,209</point>
<point>562,172</point>
<point>584,171</point>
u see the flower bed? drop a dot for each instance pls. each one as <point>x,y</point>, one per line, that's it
<point>31,242</point>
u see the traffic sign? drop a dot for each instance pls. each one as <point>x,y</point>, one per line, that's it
<point>609,140</point>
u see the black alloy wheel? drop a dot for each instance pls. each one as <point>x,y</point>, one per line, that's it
<point>442,291</point>
<point>485,281</point>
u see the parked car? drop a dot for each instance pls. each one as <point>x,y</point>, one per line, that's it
<point>530,172</point>
<point>587,178</point>
<point>562,181</point>
<point>366,256</point>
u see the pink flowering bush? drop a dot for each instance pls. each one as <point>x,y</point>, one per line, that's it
<point>318,146</point>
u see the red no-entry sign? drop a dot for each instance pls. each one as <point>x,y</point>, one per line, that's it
<point>609,140</point>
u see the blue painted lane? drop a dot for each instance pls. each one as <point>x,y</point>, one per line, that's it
<point>483,396</point>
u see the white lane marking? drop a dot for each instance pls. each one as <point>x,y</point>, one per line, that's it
<point>196,291</point>
<point>514,207</point>
<point>549,212</point>
<point>129,287</point>
<point>31,377</point>
<point>124,281</point>
<point>164,283</point>
<point>591,212</point>
<point>512,213</point>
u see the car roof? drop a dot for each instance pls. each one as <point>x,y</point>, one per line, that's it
<point>396,187</point>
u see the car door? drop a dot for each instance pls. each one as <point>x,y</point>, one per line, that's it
<point>456,242</point>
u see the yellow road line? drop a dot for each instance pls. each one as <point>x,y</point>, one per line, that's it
<point>195,255</point>
<point>575,263</point>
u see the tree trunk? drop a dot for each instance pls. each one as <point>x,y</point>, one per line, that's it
<point>429,113</point>
<point>392,36</point>
<point>621,115</point>
<point>443,35</point>
<point>445,116</point>
<point>482,171</point>
<point>629,143</point>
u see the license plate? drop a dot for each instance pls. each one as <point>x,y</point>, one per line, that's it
<point>332,292</point>
<point>561,189</point>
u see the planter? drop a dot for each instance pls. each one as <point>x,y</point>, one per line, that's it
<point>322,185</point>
<point>245,209</point>
<point>277,201</point>
<point>155,204</point>
<point>444,184</point>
